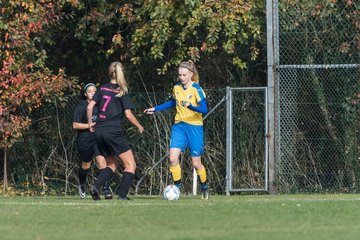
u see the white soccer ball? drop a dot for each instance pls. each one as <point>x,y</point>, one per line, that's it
<point>171,192</point>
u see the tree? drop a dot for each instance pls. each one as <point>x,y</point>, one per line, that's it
<point>225,38</point>
<point>213,33</point>
<point>26,81</point>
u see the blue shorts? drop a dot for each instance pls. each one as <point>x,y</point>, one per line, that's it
<point>184,134</point>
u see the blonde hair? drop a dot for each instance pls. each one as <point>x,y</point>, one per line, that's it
<point>116,71</point>
<point>190,65</point>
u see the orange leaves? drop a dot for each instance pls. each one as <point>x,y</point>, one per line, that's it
<point>75,3</point>
<point>20,90</point>
<point>35,27</point>
<point>203,47</point>
<point>26,82</point>
<point>127,11</point>
<point>349,2</point>
<point>118,40</point>
<point>12,127</point>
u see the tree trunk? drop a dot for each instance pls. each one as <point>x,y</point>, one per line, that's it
<point>5,183</point>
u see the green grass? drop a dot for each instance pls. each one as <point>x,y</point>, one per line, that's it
<point>236,217</point>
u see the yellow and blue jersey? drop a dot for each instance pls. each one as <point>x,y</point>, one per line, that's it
<point>193,94</point>
<point>188,128</point>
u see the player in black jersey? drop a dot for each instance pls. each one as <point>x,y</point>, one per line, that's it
<point>86,142</point>
<point>114,104</point>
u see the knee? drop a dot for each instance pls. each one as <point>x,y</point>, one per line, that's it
<point>196,162</point>
<point>173,161</point>
<point>131,167</point>
<point>198,166</point>
<point>86,165</point>
<point>102,165</point>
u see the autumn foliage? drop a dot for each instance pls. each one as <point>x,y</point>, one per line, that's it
<point>26,81</point>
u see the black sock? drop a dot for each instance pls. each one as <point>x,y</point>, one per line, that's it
<point>108,180</point>
<point>102,177</point>
<point>82,175</point>
<point>125,184</point>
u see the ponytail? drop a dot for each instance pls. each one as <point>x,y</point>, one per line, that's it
<point>116,72</point>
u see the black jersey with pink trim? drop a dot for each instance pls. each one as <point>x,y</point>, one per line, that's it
<point>111,108</point>
<point>84,136</point>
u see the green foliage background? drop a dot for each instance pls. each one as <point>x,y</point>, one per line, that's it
<point>226,39</point>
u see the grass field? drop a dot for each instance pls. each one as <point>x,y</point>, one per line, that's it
<point>235,217</point>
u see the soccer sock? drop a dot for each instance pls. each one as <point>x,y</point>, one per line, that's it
<point>82,175</point>
<point>108,180</point>
<point>125,184</point>
<point>176,173</point>
<point>102,177</point>
<point>202,174</point>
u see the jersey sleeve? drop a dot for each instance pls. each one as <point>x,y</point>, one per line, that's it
<point>169,104</point>
<point>202,108</point>
<point>200,94</point>
<point>126,102</point>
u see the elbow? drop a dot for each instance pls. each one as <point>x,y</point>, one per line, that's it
<point>205,108</point>
<point>128,114</point>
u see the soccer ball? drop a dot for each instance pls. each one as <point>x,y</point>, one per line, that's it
<point>171,192</point>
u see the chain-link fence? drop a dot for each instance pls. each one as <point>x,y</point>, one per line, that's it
<point>318,86</point>
<point>46,157</point>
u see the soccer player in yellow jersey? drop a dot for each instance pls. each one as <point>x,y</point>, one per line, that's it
<point>190,102</point>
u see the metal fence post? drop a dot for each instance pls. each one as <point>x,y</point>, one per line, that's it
<point>228,140</point>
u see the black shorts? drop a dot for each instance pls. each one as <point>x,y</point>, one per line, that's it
<point>111,141</point>
<point>87,152</point>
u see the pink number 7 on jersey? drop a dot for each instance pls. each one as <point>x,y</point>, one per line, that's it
<point>107,100</point>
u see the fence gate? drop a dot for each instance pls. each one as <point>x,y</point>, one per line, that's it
<point>246,140</point>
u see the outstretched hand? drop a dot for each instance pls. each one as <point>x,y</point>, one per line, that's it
<point>149,111</point>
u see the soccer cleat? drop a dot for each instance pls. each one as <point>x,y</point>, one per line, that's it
<point>107,193</point>
<point>95,193</point>
<point>82,190</point>
<point>204,191</point>
<point>178,185</point>
<point>123,198</point>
